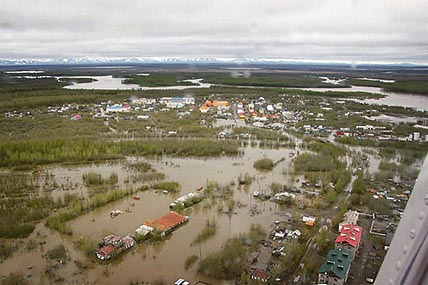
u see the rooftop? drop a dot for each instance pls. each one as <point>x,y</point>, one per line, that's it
<point>170,220</point>
<point>338,262</point>
<point>350,234</point>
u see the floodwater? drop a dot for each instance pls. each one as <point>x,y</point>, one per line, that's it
<point>109,82</point>
<point>419,102</point>
<point>165,259</point>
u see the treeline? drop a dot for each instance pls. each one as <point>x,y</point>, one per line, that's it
<point>45,151</point>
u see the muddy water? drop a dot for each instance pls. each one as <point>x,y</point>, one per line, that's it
<point>69,179</point>
<point>32,263</point>
<point>166,259</point>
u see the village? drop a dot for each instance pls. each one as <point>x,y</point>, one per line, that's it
<point>294,169</point>
<point>305,116</point>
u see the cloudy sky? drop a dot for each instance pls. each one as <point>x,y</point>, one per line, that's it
<point>328,30</point>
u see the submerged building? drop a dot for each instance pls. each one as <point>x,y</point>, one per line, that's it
<point>112,245</point>
<point>167,223</point>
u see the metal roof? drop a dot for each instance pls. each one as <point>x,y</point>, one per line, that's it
<point>338,262</point>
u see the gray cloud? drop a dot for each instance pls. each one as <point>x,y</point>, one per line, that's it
<point>341,30</point>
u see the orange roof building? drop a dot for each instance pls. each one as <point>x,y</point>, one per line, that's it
<point>168,222</point>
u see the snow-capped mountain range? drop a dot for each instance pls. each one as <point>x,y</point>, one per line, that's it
<point>166,60</point>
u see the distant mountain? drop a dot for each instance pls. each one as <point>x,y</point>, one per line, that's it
<point>167,60</point>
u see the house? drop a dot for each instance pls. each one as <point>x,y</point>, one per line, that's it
<point>283,195</point>
<point>128,242</point>
<point>105,252</point>
<point>143,230</point>
<point>308,220</point>
<point>117,108</point>
<point>75,118</point>
<point>143,117</point>
<point>112,239</point>
<point>177,102</point>
<point>349,238</point>
<point>294,234</point>
<point>365,128</point>
<point>260,275</point>
<point>350,217</point>
<point>335,270</point>
<point>113,244</point>
<point>187,200</point>
<point>142,101</point>
<point>167,223</point>
<point>221,105</point>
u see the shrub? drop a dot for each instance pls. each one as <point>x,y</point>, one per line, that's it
<point>190,260</point>
<point>264,164</point>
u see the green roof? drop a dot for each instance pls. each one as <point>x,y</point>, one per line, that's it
<point>338,262</point>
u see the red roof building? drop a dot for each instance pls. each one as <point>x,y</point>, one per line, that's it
<point>349,238</point>
<point>259,274</point>
<point>105,252</point>
<point>168,222</point>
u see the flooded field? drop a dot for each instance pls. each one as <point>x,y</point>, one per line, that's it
<point>164,259</point>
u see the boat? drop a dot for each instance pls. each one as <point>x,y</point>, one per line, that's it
<point>200,188</point>
<point>136,197</point>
